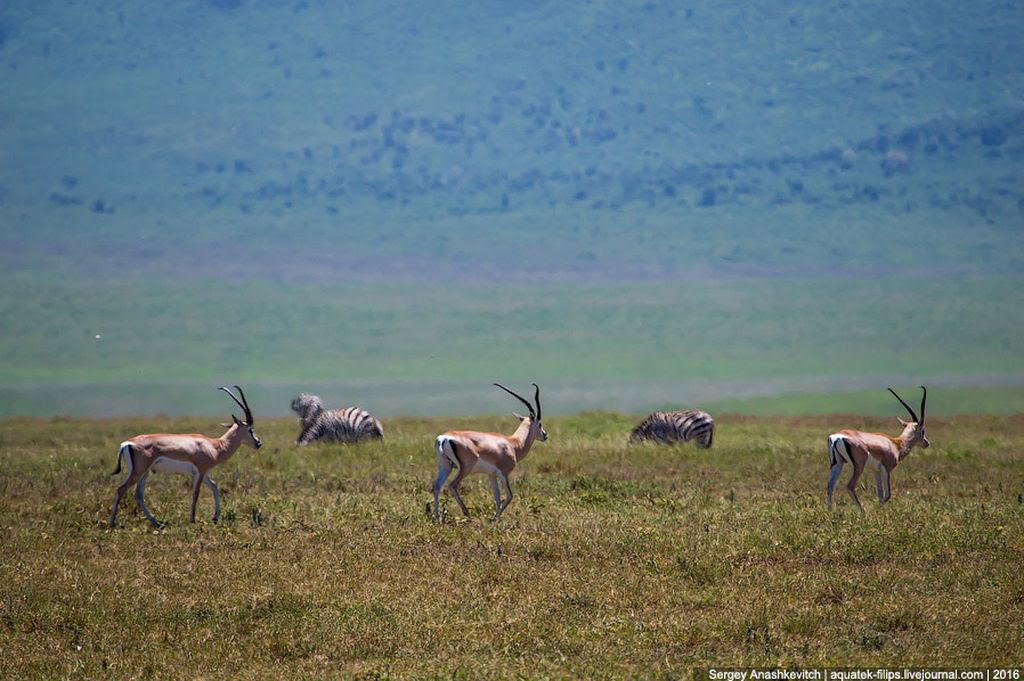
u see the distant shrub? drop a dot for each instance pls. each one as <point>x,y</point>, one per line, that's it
<point>993,136</point>
<point>894,161</point>
<point>65,200</point>
<point>360,123</point>
<point>7,29</point>
<point>908,138</point>
<point>601,135</point>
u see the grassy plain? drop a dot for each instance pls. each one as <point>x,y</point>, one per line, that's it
<point>610,562</point>
<point>101,347</point>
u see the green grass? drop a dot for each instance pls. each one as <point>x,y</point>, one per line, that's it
<point>611,561</point>
<point>878,402</point>
<point>181,337</point>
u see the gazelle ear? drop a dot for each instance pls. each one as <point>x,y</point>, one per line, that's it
<point>518,416</point>
<point>902,422</point>
<point>225,425</point>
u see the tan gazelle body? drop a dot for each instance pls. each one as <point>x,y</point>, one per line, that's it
<point>491,454</point>
<point>190,454</point>
<point>877,449</point>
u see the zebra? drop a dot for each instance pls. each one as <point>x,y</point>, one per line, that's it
<point>669,427</point>
<point>350,424</point>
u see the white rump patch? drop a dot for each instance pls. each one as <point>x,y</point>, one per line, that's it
<point>837,445</point>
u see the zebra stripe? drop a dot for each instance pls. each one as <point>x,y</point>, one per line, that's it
<point>350,424</point>
<point>669,427</point>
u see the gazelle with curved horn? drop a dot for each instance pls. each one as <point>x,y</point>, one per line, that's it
<point>883,452</point>
<point>492,454</point>
<point>193,453</point>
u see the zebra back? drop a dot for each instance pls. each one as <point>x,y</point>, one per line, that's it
<point>669,427</point>
<point>350,424</point>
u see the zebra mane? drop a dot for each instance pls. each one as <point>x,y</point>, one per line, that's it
<point>308,407</point>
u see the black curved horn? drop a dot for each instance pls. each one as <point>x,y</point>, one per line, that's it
<point>536,398</point>
<point>924,398</point>
<point>243,405</point>
<point>913,416</point>
<point>529,406</point>
<point>245,402</point>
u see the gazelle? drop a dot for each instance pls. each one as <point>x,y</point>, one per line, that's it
<point>492,454</point>
<point>193,453</point>
<point>883,452</point>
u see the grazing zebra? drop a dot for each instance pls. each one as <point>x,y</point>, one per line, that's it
<point>669,427</point>
<point>350,424</point>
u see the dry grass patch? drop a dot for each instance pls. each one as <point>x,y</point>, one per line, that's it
<point>611,561</point>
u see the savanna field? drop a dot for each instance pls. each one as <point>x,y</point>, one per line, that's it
<point>768,209</point>
<point>611,561</point>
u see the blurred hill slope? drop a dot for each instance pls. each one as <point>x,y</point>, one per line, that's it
<point>595,140</point>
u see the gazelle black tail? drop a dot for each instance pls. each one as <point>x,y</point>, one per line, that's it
<point>124,451</point>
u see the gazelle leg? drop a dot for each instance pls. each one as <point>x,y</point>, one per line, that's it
<point>885,486</point>
<point>117,501</point>
<point>444,469</point>
<point>508,499</point>
<point>497,496</point>
<point>197,484</point>
<point>851,486</point>
<point>454,489</point>
<point>139,469</point>
<point>216,496</point>
<point>878,485</point>
<point>836,470</point>
<point>140,499</point>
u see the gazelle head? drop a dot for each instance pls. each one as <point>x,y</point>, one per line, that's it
<point>245,427</point>
<point>536,429</point>
<point>914,429</point>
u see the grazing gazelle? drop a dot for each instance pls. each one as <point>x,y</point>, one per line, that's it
<point>193,453</point>
<point>492,454</point>
<point>883,452</point>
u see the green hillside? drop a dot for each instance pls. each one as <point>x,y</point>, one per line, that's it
<point>635,203</point>
<point>635,139</point>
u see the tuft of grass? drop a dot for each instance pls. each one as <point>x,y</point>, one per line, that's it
<point>611,561</point>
